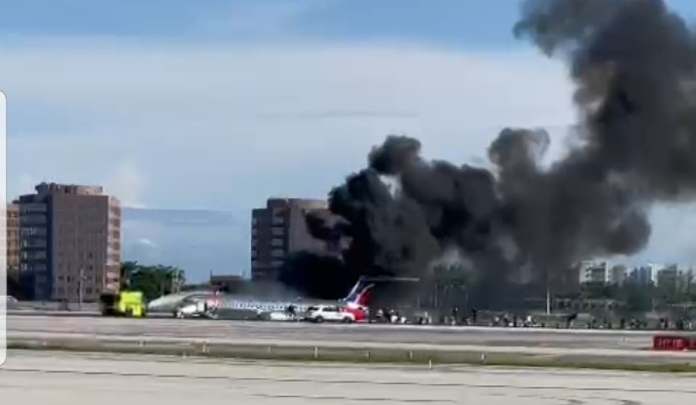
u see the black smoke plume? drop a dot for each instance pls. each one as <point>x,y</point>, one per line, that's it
<point>634,65</point>
<point>312,275</point>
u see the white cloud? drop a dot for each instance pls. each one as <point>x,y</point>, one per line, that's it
<point>147,242</point>
<point>225,126</point>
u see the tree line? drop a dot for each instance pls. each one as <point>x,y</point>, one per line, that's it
<point>154,281</point>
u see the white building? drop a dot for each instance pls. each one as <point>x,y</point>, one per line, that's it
<point>594,272</point>
<point>676,277</point>
<point>617,275</point>
<point>668,277</point>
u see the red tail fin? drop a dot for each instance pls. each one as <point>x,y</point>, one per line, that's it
<point>365,296</point>
<point>360,295</point>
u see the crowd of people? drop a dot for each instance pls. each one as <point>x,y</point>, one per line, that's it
<point>456,317</point>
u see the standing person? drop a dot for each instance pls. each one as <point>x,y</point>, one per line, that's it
<point>570,319</point>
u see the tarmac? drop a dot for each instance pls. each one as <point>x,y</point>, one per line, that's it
<point>353,343</point>
<point>358,333</point>
<point>35,377</point>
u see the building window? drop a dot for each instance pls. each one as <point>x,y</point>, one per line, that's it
<point>277,231</point>
<point>277,242</point>
<point>278,253</point>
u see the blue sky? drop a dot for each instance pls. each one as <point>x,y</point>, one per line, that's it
<point>453,22</point>
<point>182,104</point>
<point>470,23</point>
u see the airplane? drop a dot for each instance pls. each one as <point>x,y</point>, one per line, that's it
<point>209,304</point>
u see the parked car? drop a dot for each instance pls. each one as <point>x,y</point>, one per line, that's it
<point>328,313</point>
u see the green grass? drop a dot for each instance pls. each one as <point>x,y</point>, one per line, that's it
<point>366,356</point>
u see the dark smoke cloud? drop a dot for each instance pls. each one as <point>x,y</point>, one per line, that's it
<point>389,233</point>
<point>634,65</point>
<point>317,276</point>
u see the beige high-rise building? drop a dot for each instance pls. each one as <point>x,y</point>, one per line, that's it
<point>70,242</point>
<point>280,230</point>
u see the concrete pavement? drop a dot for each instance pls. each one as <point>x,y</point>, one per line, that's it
<point>293,331</point>
<point>74,378</point>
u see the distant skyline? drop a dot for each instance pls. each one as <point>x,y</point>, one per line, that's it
<point>174,104</point>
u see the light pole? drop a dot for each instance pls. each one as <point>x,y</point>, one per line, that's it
<point>80,284</point>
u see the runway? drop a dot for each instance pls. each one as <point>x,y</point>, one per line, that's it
<point>364,333</point>
<point>73,378</point>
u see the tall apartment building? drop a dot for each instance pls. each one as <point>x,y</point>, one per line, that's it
<point>70,242</point>
<point>646,274</point>
<point>12,240</point>
<point>279,230</point>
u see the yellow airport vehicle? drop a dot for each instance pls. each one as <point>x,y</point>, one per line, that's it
<point>125,303</point>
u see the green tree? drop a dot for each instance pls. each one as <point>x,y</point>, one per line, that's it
<point>127,268</point>
<point>638,297</point>
<point>153,281</point>
<point>451,286</point>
